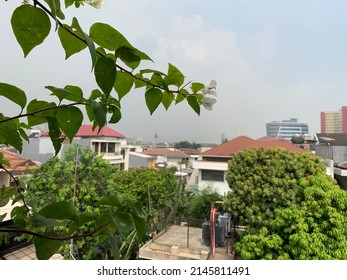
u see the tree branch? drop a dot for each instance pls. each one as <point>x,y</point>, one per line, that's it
<point>40,111</point>
<point>58,238</point>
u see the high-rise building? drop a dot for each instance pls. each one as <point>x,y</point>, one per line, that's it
<point>334,121</point>
<point>286,129</point>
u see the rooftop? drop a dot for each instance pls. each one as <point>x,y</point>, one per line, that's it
<point>243,142</point>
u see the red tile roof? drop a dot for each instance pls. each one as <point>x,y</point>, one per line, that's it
<point>172,153</point>
<point>243,142</point>
<point>86,130</point>
<point>17,163</point>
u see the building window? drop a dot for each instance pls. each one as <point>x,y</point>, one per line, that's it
<point>111,148</point>
<point>103,146</point>
<point>212,175</point>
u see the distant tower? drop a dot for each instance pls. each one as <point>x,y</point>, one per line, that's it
<point>156,137</point>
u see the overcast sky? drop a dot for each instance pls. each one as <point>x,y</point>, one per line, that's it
<point>272,60</point>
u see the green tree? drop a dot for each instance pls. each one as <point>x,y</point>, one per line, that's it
<point>187,144</point>
<point>263,180</point>
<point>80,177</point>
<point>115,63</point>
<point>200,203</point>
<point>157,190</point>
<point>313,228</point>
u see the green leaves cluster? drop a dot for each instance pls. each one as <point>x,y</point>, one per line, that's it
<point>71,197</point>
<point>262,180</point>
<point>290,207</point>
<point>313,229</point>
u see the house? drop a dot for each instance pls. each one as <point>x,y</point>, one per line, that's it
<point>168,157</point>
<point>332,147</point>
<point>210,170</point>
<point>18,166</point>
<point>108,142</point>
<point>141,160</point>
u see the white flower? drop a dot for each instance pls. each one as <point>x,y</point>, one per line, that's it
<point>207,101</point>
<point>97,4</point>
<point>210,89</point>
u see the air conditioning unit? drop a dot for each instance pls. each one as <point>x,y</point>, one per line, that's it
<point>219,234</point>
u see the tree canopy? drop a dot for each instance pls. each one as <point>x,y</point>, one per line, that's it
<point>262,180</point>
<point>290,207</point>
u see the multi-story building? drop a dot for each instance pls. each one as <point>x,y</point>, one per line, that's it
<point>334,121</point>
<point>286,129</point>
<point>107,142</point>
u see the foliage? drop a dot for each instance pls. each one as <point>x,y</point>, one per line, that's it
<point>186,144</point>
<point>80,177</point>
<point>157,190</point>
<point>200,203</point>
<point>115,63</point>
<point>313,228</point>
<point>262,181</point>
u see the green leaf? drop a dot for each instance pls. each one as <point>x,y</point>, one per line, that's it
<point>46,248</point>
<point>111,200</point>
<point>88,40</point>
<point>105,74</point>
<point>140,81</point>
<point>69,119</point>
<point>100,112</point>
<point>38,220</point>
<point>174,76</point>
<point>9,135</point>
<point>55,8</point>
<point>68,3</point>
<point>197,87</point>
<point>116,115</point>
<point>114,246</point>
<point>193,102</point>
<point>123,84</point>
<point>30,26</point>
<point>45,109</point>
<point>70,43</point>
<point>14,94</point>
<point>87,217</point>
<point>182,95</point>
<point>156,79</point>
<point>107,37</point>
<point>62,210</point>
<point>140,225</point>
<point>72,93</point>
<point>4,161</point>
<point>129,56</point>
<point>167,99</point>
<point>54,133</point>
<point>153,98</point>
<point>123,222</point>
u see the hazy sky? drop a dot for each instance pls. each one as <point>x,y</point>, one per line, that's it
<point>272,60</point>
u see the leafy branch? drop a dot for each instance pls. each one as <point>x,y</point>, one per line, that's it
<point>60,238</point>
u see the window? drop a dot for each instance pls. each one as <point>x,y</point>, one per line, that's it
<point>212,175</point>
<point>111,148</point>
<point>103,147</point>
